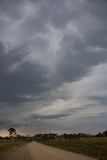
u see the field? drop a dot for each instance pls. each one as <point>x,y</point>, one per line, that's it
<point>7,147</point>
<point>90,146</point>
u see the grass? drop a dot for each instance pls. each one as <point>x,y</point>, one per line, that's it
<point>6,148</point>
<point>90,146</point>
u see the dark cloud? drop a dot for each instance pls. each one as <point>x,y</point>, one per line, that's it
<point>65,40</point>
<point>46,117</point>
<point>20,81</point>
<point>93,24</point>
<point>11,9</point>
<point>76,64</point>
<point>4,123</point>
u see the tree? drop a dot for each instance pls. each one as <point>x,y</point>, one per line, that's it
<point>105,133</point>
<point>12,132</point>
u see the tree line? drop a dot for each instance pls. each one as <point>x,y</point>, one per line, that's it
<point>13,135</point>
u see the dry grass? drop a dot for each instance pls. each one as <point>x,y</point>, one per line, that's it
<point>90,146</point>
<point>6,147</point>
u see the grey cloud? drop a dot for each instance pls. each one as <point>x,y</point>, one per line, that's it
<point>75,63</point>
<point>82,47</point>
<point>11,8</point>
<point>25,80</point>
<point>4,123</point>
<point>46,117</point>
<point>102,100</point>
<point>87,124</point>
<point>55,13</point>
<point>96,123</point>
<point>63,114</point>
<point>93,23</point>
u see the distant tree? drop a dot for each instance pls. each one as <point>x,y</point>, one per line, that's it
<point>65,136</point>
<point>99,135</point>
<point>105,133</point>
<point>12,132</point>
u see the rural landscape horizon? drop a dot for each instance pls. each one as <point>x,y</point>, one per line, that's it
<point>53,79</point>
<point>12,132</point>
<point>39,144</point>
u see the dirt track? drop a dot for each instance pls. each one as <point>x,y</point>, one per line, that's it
<point>36,151</point>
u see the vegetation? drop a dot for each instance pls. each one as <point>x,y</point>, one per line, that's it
<point>90,145</point>
<point>7,147</point>
<point>12,132</point>
<point>11,143</point>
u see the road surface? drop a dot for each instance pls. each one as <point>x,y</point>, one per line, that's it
<point>37,151</point>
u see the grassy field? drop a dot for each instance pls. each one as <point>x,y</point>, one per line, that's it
<point>90,146</point>
<point>6,148</point>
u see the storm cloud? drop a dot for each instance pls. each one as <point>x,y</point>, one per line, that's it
<point>20,80</point>
<point>53,59</point>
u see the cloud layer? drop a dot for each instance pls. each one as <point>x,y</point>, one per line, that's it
<point>53,59</point>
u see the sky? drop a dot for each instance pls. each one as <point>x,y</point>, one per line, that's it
<point>53,66</point>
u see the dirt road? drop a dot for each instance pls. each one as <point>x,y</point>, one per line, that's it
<point>36,151</point>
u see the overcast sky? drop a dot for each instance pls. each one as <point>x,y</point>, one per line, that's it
<point>53,66</point>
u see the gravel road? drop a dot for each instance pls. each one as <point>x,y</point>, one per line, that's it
<point>37,151</point>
